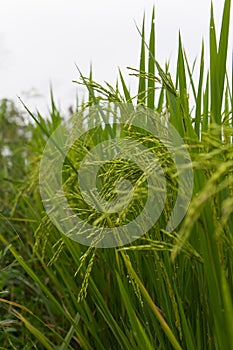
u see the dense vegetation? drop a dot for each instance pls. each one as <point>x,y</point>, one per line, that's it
<point>166,290</point>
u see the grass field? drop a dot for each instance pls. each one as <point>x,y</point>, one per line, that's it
<point>168,289</point>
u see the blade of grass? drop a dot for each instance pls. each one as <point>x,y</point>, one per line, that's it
<point>151,64</point>
<point>214,89</point>
<point>125,89</point>
<point>142,80</point>
<point>198,111</point>
<point>153,307</point>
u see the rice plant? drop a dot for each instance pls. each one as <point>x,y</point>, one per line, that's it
<point>164,290</point>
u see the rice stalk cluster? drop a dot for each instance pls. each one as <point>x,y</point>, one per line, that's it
<point>165,290</point>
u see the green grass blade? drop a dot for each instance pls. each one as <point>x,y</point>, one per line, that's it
<point>32,274</point>
<point>190,74</point>
<point>181,78</point>
<point>223,50</point>
<point>142,79</point>
<point>159,107</point>
<point>36,332</point>
<point>117,331</point>
<point>205,121</point>
<point>198,111</point>
<point>214,89</point>
<point>142,338</point>
<point>69,335</point>
<point>125,89</point>
<point>153,307</point>
<point>151,64</point>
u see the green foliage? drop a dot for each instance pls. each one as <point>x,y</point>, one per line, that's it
<point>163,291</point>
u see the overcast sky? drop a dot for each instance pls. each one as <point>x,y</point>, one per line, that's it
<point>42,40</point>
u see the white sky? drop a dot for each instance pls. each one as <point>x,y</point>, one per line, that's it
<point>41,40</point>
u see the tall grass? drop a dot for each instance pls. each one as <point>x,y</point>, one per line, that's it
<point>166,290</point>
